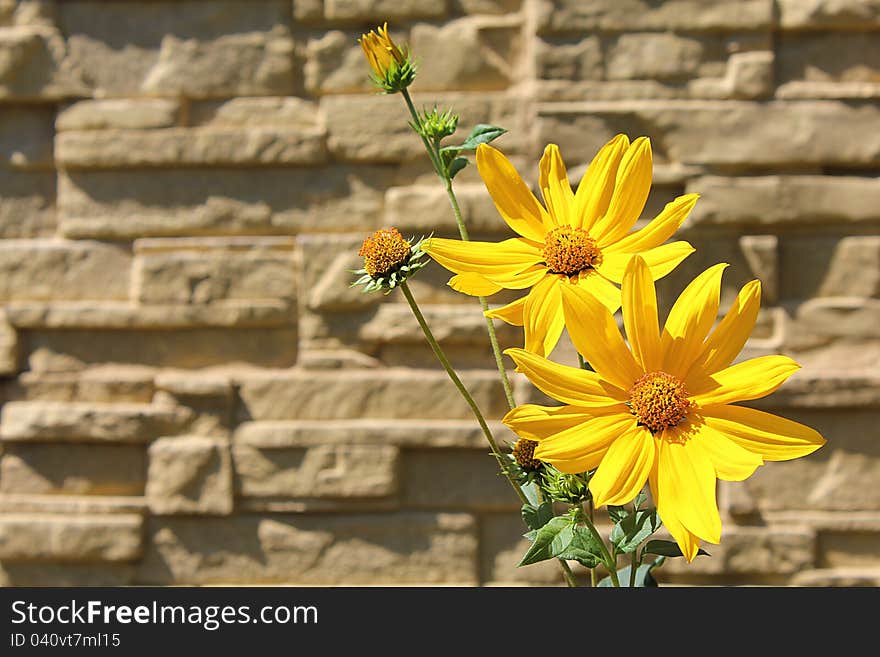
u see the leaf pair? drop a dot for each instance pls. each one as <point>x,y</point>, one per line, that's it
<point>481,134</point>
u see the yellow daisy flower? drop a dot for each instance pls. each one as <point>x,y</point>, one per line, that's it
<point>580,239</point>
<point>663,409</point>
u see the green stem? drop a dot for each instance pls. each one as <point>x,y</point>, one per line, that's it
<point>609,561</point>
<point>436,160</point>
<point>634,566</point>
<point>490,325</point>
<point>594,580</point>
<point>444,361</point>
<point>432,151</point>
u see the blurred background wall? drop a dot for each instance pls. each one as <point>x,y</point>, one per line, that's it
<point>191,393</point>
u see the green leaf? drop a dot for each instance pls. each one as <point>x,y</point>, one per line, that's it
<point>584,548</point>
<point>643,577</point>
<point>629,533</point>
<point>640,498</point>
<point>481,134</point>
<point>617,513</point>
<point>536,517</point>
<point>456,165</point>
<point>550,540</point>
<point>667,549</point>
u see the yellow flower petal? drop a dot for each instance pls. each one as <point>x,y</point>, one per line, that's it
<point>597,184</point>
<point>512,197</point>
<point>542,316</point>
<point>512,313</point>
<point>473,284</point>
<point>595,335</point>
<point>660,260</point>
<point>555,188</point>
<point>729,337</point>
<point>631,188</point>
<point>774,438</point>
<point>661,228</point>
<point>606,292</point>
<point>686,479</point>
<point>751,379</point>
<point>587,439</point>
<point>689,321</point>
<point>570,385</point>
<point>624,468</point>
<point>687,541</point>
<point>511,264</point>
<point>640,315</point>
<point>537,422</point>
<point>731,461</point>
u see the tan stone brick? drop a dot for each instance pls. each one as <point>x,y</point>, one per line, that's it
<point>128,204</point>
<point>321,471</point>
<point>188,146</point>
<point>574,15</point>
<point>466,54</point>
<point>26,137</point>
<point>287,434</point>
<point>849,549</point>
<point>199,346</point>
<point>57,269</point>
<point>189,474</point>
<point>88,314</point>
<point>382,10</point>
<point>72,505</point>
<point>210,275</point>
<point>658,56</point>
<point>127,423</point>
<point>425,209</point>
<point>335,63</point>
<point>99,384</point>
<point>845,577</point>
<point>119,113</point>
<point>336,549</point>
<point>31,537</point>
<point>455,479</point>
<point>8,347</point>
<point>800,89</point>
<point>23,573</point>
<point>762,254</point>
<point>748,550</point>
<point>226,48</point>
<point>767,200</point>
<point>849,317</point>
<point>27,204</point>
<point>574,59</point>
<point>854,269</point>
<point>282,112</point>
<point>394,393</point>
<point>828,14</point>
<point>492,7</point>
<point>828,57</point>
<point>33,64</point>
<point>73,469</point>
<point>725,133</point>
<point>325,270</point>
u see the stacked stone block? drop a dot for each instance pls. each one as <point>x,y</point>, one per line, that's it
<point>192,394</point>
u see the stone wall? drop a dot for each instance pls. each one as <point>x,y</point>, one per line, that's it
<point>192,394</point>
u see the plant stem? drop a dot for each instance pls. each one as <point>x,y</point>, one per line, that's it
<point>593,577</point>
<point>632,569</point>
<point>444,361</point>
<point>436,160</point>
<point>496,452</point>
<point>609,561</point>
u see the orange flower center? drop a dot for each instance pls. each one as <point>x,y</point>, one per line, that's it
<point>570,250</point>
<point>659,400</point>
<point>383,251</point>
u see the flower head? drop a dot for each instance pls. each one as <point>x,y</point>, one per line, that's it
<point>573,240</point>
<point>663,409</point>
<point>389,260</point>
<point>393,68</point>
